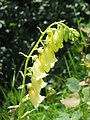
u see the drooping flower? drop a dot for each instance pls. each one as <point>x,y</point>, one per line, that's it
<point>38,85</point>
<point>50,40</point>
<point>34,96</point>
<point>42,59</point>
<point>55,38</point>
<point>47,58</point>
<point>37,70</point>
<point>58,39</point>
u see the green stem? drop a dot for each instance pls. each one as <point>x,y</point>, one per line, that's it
<point>72,61</point>
<point>22,92</point>
<point>67,66</point>
<point>20,112</point>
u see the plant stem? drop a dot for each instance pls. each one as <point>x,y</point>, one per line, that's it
<point>72,61</point>
<point>67,66</point>
<point>20,112</point>
<point>22,92</point>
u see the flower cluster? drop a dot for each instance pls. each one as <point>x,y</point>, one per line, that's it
<point>46,59</point>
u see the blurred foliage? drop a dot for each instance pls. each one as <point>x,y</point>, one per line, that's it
<point>18,28</point>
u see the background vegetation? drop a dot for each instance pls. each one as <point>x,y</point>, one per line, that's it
<point>18,32</point>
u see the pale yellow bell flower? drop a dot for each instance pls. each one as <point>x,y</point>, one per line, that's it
<point>55,38</point>
<point>50,56</point>
<point>37,70</point>
<point>58,39</point>
<point>50,41</point>
<point>39,84</point>
<point>42,59</point>
<point>47,58</point>
<point>34,96</point>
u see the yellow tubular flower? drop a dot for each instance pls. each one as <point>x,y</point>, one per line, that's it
<point>61,35</point>
<point>55,41</point>
<point>38,71</point>
<point>50,56</point>
<point>34,96</point>
<point>38,85</point>
<point>42,59</point>
<point>55,38</point>
<point>58,39</point>
<point>49,39</point>
<point>47,58</point>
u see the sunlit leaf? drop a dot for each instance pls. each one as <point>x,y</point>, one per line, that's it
<point>72,101</point>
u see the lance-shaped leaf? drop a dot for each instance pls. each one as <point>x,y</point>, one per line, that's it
<point>34,96</point>
<point>38,85</point>
<point>38,71</point>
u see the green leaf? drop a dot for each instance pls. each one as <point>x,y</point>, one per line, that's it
<point>86,95</point>
<point>77,115</point>
<point>63,116</point>
<point>73,84</point>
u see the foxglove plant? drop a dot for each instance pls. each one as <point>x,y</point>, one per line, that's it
<point>43,61</point>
